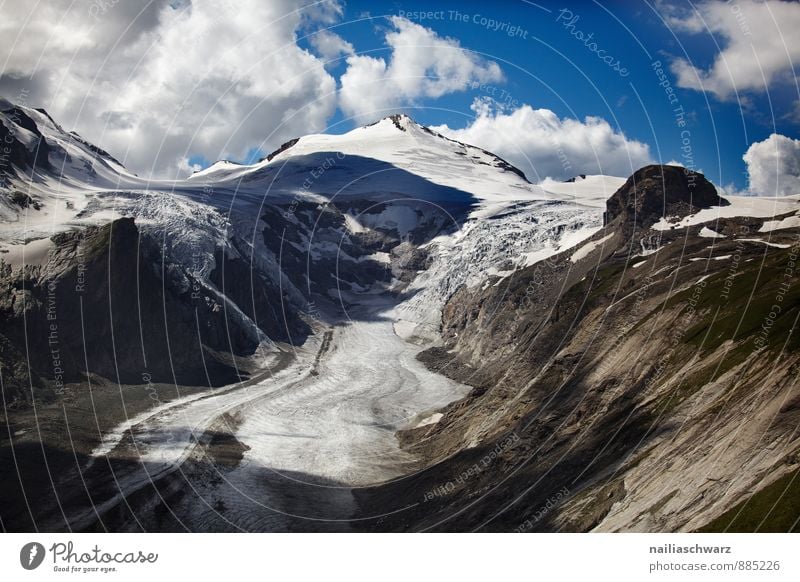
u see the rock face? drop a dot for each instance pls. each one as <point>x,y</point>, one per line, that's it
<point>141,311</point>
<point>657,191</point>
<point>22,150</point>
<point>630,390</point>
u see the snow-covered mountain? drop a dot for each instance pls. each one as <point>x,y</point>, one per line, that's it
<point>394,156</point>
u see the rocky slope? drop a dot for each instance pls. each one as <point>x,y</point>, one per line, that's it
<point>643,382</point>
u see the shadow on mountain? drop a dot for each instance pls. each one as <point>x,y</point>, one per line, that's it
<point>49,489</point>
<point>338,177</point>
<point>365,238</point>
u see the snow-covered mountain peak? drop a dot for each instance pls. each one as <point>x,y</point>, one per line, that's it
<point>39,149</point>
<point>394,156</point>
<point>400,121</point>
<point>377,130</point>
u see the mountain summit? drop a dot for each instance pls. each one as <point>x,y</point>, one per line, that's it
<point>655,192</point>
<point>381,158</point>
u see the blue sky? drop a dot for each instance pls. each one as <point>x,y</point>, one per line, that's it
<point>546,66</point>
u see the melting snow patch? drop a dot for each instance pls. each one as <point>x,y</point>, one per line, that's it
<point>586,249</point>
<point>788,222</point>
<point>647,252</point>
<point>769,244</point>
<point>432,419</point>
<point>750,206</point>
<point>667,223</point>
<point>708,233</point>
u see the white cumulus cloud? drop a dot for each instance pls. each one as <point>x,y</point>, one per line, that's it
<point>759,40</point>
<point>422,64</point>
<point>330,46</point>
<point>156,82</point>
<point>543,145</point>
<point>774,166</point>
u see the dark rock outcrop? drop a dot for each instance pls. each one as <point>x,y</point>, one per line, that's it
<point>17,154</point>
<point>107,302</point>
<point>657,191</point>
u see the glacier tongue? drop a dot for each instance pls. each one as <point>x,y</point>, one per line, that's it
<point>363,235</point>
